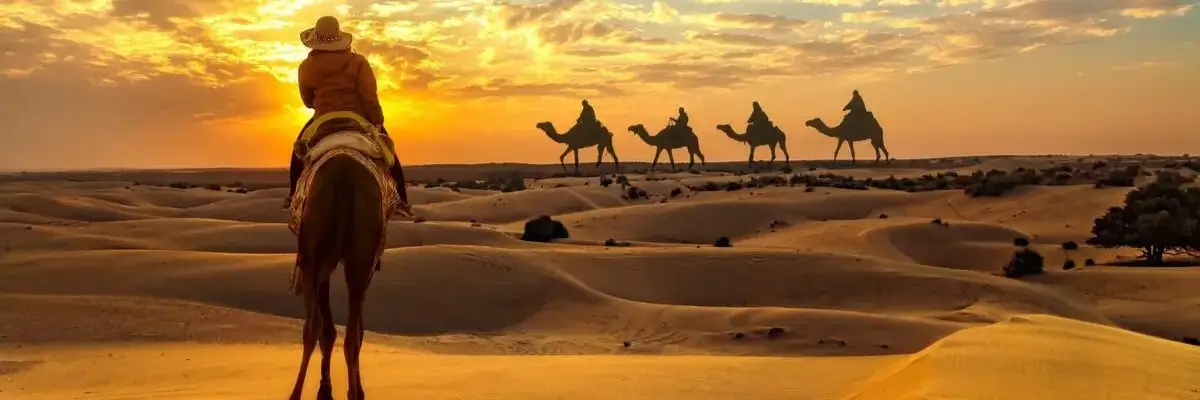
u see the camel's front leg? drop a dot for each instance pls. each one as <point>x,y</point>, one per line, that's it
<point>671,156</point>
<point>657,152</point>
<point>837,150</point>
<point>853,158</point>
<point>752,155</point>
<point>576,161</point>
<point>562,159</point>
<point>772,161</point>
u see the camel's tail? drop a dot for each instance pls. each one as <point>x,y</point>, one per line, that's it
<point>297,279</point>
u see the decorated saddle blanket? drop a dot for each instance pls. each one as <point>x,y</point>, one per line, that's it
<point>384,183</point>
<point>344,129</point>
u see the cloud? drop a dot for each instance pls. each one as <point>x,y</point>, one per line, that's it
<point>491,48</point>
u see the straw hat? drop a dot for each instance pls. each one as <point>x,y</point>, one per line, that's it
<point>326,35</point>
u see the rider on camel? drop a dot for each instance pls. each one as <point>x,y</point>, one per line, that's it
<point>758,117</point>
<point>587,116</point>
<point>681,121</point>
<point>856,106</point>
<point>335,78</point>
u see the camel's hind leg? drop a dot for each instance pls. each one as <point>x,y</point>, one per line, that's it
<point>787,158</point>
<point>613,152</point>
<point>327,336</point>
<point>362,238</point>
<point>878,145</point>
<point>311,325</point>
<point>694,151</point>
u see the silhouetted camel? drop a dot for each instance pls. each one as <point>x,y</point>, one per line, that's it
<point>339,215</point>
<point>868,129</point>
<point>760,137</point>
<point>580,138</point>
<point>670,138</point>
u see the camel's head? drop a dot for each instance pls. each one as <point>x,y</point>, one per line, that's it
<point>725,128</point>
<point>813,123</point>
<point>635,128</point>
<point>545,126</point>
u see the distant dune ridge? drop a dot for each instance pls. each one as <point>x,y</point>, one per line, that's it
<point>114,290</point>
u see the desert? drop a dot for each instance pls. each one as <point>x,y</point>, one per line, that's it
<point>834,282</point>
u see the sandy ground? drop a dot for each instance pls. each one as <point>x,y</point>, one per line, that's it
<point>110,290</point>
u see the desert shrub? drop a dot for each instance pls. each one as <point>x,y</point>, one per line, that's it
<point>1120,177</point>
<point>213,186</point>
<point>723,242</point>
<point>1162,218</point>
<point>1068,265</point>
<point>1020,241</point>
<point>605,181</point>
<point>1070,245</point>
<point>180,185</point>
<point>676,192</point>
<point>622,180</point>
<point>1024,261</point>
<point>993,185</point>
<point>1089,262</point>
<point>543,229</point>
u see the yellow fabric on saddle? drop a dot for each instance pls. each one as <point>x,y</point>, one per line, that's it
<point>387,188</point>
<point>383,142</point>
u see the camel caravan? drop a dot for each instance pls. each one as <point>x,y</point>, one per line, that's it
<point>857,125</point>
<point>346,182</point>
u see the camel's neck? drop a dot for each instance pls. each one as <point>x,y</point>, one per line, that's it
<point>741,137</point>
<point>826,130</point>
<point>645,136</point>
<point>554,135</point>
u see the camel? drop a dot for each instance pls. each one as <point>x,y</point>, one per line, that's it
<point>671,138</point>
<point>757,137</point>
<point>848,133</point>
<point>339,216</point>
<point>580,138</point>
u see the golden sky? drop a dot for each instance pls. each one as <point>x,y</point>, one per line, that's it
<point>174,83</point>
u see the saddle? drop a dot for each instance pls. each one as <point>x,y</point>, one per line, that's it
<point>343,129</point>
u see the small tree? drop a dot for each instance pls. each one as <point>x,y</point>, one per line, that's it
<point>1158,219</point>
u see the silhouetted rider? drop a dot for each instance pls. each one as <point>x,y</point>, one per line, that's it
<point>587,116</point>
<point>682,120</point>
<point>758,117</point>
<point>856,105</point>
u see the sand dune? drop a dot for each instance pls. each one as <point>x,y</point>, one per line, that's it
<point>141,290</point>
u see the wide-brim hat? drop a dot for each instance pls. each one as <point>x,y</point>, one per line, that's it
<point>326,35</point>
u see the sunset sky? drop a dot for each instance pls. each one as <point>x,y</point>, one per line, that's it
<point>198,83</point>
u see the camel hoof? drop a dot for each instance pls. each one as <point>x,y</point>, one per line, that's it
<point>325,392</point>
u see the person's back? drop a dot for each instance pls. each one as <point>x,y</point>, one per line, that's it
<point>759,117</point>
<point>339,81</point>
<point>682,120</point>
<point>856,104</point>
<point>587,114</point>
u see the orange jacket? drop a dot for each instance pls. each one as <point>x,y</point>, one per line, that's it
<point>339,81</point>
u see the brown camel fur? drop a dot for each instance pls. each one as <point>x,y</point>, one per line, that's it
<point>760,137</point>
<point>670,137</point>
<point>868,128</point>
<point>342,220</point>
<point>581,138</point>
